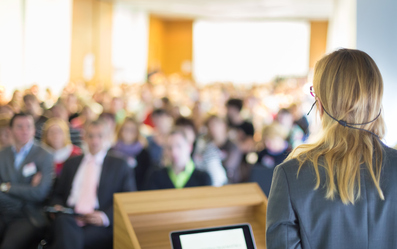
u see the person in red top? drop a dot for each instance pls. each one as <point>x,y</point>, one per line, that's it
<point>56,138</point>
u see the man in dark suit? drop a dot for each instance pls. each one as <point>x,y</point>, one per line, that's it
<point>87,185</point>
<point>26,178</point>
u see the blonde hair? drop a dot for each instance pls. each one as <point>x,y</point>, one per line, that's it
<point>349,86</point>
<point>62,124</point>
<point>274,129</point>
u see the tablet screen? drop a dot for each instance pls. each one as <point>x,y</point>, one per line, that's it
<point>233,238</point>
<point>228,237</point>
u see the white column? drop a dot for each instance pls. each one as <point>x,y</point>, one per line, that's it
<point>11,54</point>
<point>48,26</point>
<point>342,25</point>
<point>129,44</point>
<point>377,36</point>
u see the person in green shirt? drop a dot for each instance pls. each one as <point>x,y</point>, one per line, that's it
<point>179,171</point>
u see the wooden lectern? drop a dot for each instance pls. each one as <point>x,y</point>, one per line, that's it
<point>144,220</point>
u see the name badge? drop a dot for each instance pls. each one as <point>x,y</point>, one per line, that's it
<point>29,169</point>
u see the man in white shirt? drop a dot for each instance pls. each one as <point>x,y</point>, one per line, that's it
<point>87,185</point>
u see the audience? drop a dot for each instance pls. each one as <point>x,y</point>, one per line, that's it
<point>109,121</point>
<point>244,129</point>
<point>193,154</point>
<point>87,184</point>
<point>86,115</point>
<point>56,138</point>
<point>118,110</point>
<point>162,122</point>
<point>5,133</point>
<point>60,111</point>
<point>72,106</point>
<point>6,111</point>
<point>231,155</point>
<point>300,119</point>
<point>205,154</point>
<point>296,135</point>
<point>16,102</point>
<point>180,170</point>
<point>26,178</point>
<point>32,106</point>
<point>275,152</point>
<point>133,147</point>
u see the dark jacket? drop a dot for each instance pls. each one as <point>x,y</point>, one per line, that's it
<point>115,177</point>
<point>22,198</point>
<point>159,179</point>
<point>300,217</point>
<point>143,166</point>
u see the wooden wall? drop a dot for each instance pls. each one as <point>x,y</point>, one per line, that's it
<point>170,41</point>
<point>91,34</point>
<point>318,41</point>
<point>170,44</point>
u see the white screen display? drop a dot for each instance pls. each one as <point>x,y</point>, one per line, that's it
<point>227,239</point>
<point>244,52</point>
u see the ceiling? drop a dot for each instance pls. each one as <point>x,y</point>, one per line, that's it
<point>236,9</point>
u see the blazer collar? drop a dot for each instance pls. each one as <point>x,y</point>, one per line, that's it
<point>31,155</point>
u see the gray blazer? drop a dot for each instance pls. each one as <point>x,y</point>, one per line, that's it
<point>300,217</point>
<point>21,193</point>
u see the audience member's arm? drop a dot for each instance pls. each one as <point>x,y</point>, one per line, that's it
<point>8,202</point>
<point>36,193</point>
<point>282,228</point>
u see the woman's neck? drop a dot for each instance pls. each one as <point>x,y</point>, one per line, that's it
<point>128,142</point>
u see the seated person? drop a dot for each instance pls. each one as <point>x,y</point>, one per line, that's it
<point>243,129</point>
<point>32,107</point>
<point>87,115</point>
<point>295,135</point>
<point>274,138</point>
<point>5,133</point>
<point>55,137</point>
<point>60,111</point>
<point>133,147</point>
<point>87,184</point>
<point>180,171</point>
<point>118,110</point>
<point>231,155</point>
<point>275,152</point>
<point>6,111</point>
<point>110,122</point>
<point>300,119</point>
<point>206,156</point>
<point>26,179</point>
<point>162,122</point>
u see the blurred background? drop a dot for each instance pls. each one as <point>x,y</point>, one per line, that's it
<point>196,53</point>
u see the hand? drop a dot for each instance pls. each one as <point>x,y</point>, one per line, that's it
<point>94,218</point>
<point>8,187</point>
<point>36,179</point>
<point>57,208</point>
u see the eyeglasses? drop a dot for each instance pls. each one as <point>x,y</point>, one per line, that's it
<point>312,91</point>
<point>314,95</point>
